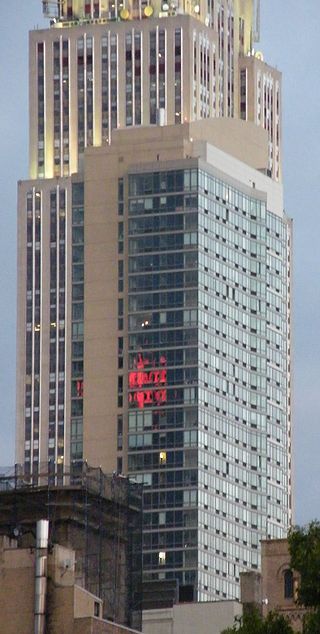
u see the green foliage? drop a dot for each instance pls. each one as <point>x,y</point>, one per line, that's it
<point>276,624</point>
<point>249,623</point>
<point>311,623</point>
<point>253,623</point>
<point>304,548</point>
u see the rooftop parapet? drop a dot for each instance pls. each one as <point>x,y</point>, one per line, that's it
<point>67,13</point>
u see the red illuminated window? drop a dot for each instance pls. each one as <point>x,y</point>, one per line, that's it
<point>80,388</point>
<point>148,382</point>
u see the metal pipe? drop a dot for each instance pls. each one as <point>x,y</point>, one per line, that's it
<point>41,577</point>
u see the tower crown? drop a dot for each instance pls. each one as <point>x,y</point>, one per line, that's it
<point>83,11</point>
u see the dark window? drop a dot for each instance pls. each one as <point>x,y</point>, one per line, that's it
<point>288,584</point>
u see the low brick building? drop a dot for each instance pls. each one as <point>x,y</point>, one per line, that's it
<point>96,515</point>
<point>69,609</point>
<point>275,588</point>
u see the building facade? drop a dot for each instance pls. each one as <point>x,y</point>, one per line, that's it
<point>154,289</point>
<point>69,608</point>
<point>276,588</point>
<point>98,516</point>
<point>187,618</point>
<point>104,65</point>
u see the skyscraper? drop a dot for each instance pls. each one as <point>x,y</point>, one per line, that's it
<point>154,275</point>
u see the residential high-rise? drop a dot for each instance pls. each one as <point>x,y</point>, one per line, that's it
<point>154,275</point>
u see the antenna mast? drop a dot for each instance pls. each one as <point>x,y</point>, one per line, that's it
<point>52,8</point>
<point>256,22</point>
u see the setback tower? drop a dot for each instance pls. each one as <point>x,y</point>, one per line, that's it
<point>154,275</point>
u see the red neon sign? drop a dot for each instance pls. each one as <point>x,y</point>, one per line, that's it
<point>148,382</point>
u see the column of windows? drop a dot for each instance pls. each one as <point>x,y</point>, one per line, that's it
<point>195,76</point>
<point>137,77</point>
<point>133,78</point>
<point>33,331</point>
<point>56,107</point>
<point>277,120</point>
<point>89,90</point>
<point>268,115</point>
<point>81,95</point>
<point>238,385</point>
<point>277,367</point>
<point>213,82</point>
<point>120,327</point>
<point>65,108</point>
<point>61,107</point>
<point>153,76</point>
<point>41,106</point>
<point>77,386</point>
<point>178,75</point>
<point>204,77</point>
<point>105,77</point>
<point>56,432</point>
<point>230,57</point>
<point>243,94</point>
<point>120,321</point>
<point>163,376</point>
<point>114,80</point>
<point>221,69</point>
<point>129,77</point>
<point>85,81</point>
<point>157,72</point>
<point>241,35</point>
<point>211,15</point>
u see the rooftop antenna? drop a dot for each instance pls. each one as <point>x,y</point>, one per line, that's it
<point>256,21</point>
<point>52,8</point>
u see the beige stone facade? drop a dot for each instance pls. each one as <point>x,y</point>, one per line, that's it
<point>276,587</point>
<point>69,608</point>
<point>202,618</point>
<point>201,47</point>
<point>95,526</point>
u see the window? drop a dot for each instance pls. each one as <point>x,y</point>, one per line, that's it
<point>288,584</point>
<point>162,558</point>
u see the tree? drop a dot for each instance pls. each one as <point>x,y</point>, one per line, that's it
<point>249,623</point>
<point>253,623</point>
<point>304,549</point>
<point>311,623</point>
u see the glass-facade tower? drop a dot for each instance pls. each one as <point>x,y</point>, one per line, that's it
<point>208,375</point>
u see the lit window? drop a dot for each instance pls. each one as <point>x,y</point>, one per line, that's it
<point>162,558</point>
<point>163,457</point>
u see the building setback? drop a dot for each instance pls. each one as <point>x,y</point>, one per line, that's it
<point>154,277</point>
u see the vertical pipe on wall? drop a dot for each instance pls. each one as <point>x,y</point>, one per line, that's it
<point>41,577</point>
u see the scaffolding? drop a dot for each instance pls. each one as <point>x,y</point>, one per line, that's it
<point>98,515</point>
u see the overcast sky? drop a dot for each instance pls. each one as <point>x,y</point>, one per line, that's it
<point>289,40</point>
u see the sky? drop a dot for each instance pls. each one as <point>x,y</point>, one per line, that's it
<point>289,41</point>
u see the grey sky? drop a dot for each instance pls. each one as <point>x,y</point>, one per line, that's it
<point>289,36</point>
